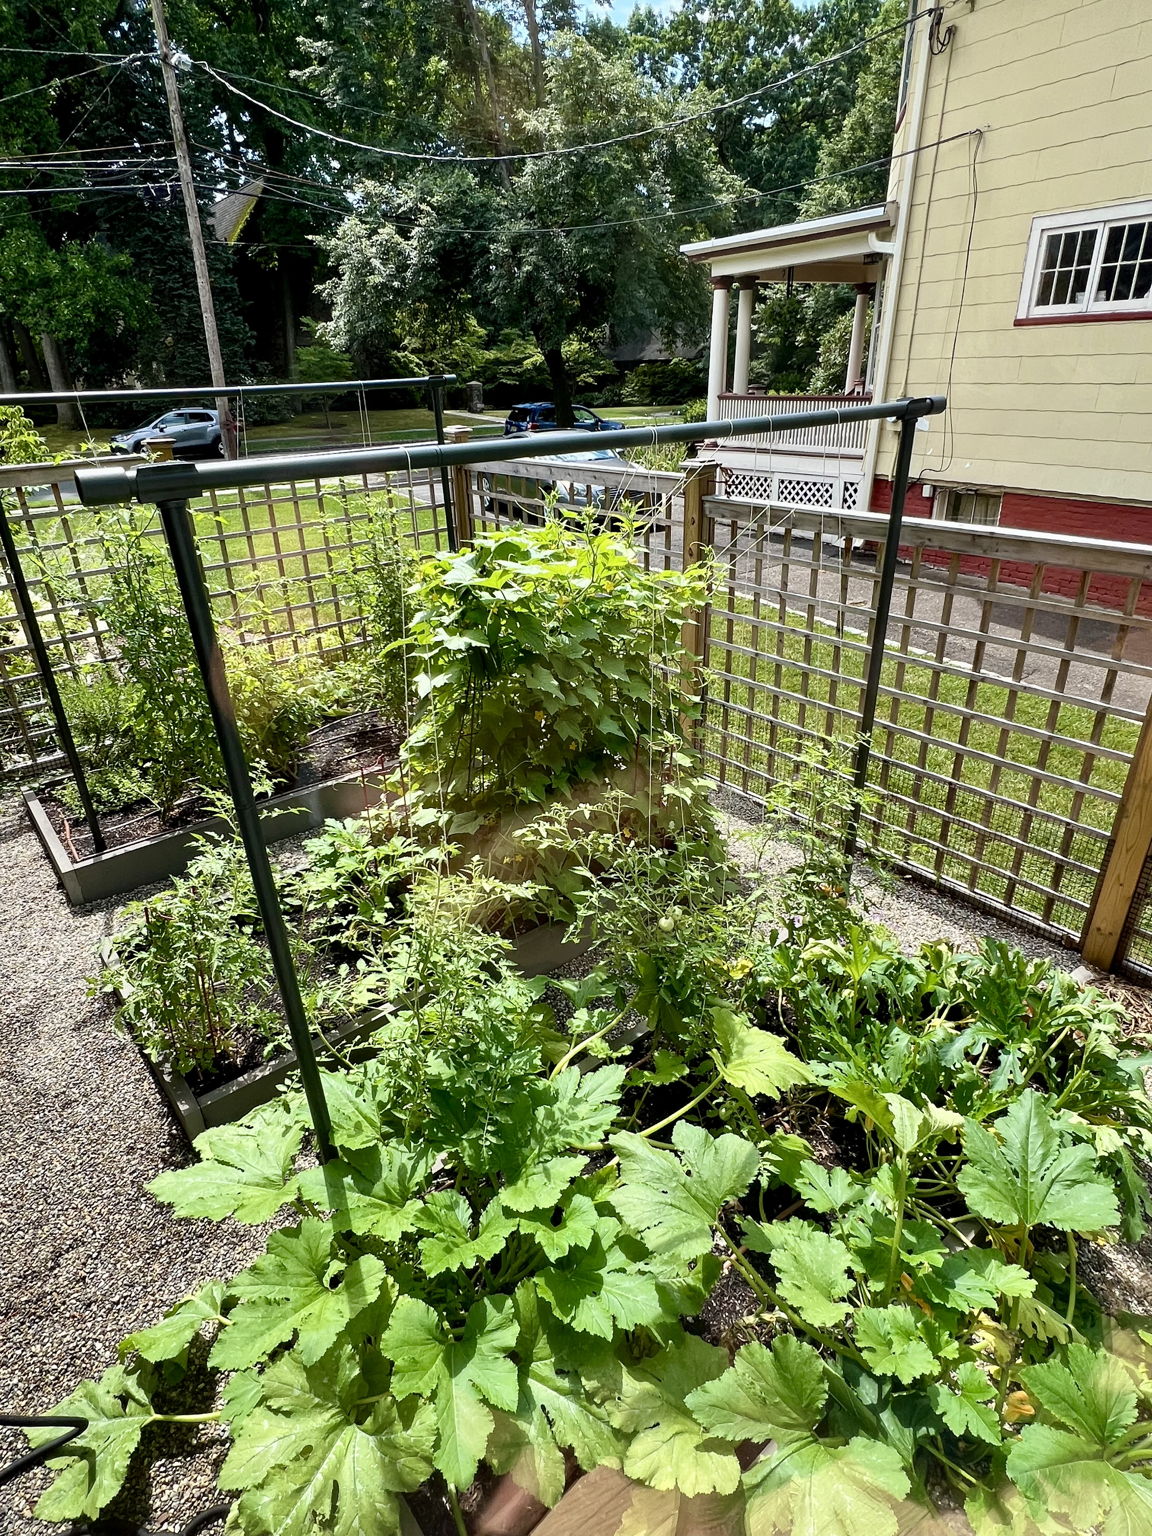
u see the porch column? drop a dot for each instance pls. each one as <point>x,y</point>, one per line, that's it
<point>743,337</point>
<point>718,354</point>
<point>853,376</point>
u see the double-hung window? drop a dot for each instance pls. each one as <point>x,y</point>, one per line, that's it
<point>1091,265</point>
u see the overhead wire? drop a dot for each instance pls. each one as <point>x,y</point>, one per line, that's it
<point>79,74</point>
<point>279,193</point>
<point>671,213</point>
<point>548,154</point>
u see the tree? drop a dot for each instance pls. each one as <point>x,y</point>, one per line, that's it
<point>865,135</point>
<point>569,245</point>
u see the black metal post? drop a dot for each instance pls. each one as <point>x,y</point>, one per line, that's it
<point>880,616</point>
<point>177,524</point>
<point>436,391</point>
<point>27,616</point>
<point>71,1425</point>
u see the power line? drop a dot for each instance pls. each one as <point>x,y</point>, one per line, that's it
<point>573,149</point>
<point>79,74</point>
<point>277,194</point>
<point>671,213</point>
<point>95,149</point>
<point>67,53</point>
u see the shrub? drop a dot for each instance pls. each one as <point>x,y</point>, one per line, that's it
<point>279,700</point>
<point>102,710</point>
<point>667,383</point>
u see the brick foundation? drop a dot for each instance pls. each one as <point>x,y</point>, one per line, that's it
<point>1046,514</point>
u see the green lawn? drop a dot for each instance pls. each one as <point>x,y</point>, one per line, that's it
<point>314,429</point>
<point>309,430</point>
<point>982,802</point>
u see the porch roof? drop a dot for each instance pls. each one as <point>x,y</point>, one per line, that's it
<point>840,248</point>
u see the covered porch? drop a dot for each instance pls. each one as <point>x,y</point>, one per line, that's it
<point>822,466</point>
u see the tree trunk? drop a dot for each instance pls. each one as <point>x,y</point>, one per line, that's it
<point>532,22</point>
<point>30,353</point>
<point>66,412</point>
<point>289,320</point>
<point>8,384</point>
<point>561,384</point>
<point>484,56</point>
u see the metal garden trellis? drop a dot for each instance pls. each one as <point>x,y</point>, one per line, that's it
<point>435,385</point>
<point>170,486</point>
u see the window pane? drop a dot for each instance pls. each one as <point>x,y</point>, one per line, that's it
<point>1061,283</point>
<point>1126,271</point>
<point>1064,267</point>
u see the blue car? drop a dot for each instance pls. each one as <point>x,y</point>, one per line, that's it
<point>540,416</point>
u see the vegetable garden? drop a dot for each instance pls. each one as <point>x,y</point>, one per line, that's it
<point>748,1205</point>
<point>890,1161</point>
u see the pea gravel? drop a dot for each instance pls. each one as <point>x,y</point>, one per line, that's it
<point>87,1255</point>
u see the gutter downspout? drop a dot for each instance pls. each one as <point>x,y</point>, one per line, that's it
<point>881,351</point>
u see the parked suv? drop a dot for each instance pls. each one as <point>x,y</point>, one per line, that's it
<point>541,417</point>
<point>192,431</point>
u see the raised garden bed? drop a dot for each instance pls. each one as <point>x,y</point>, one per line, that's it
<point>93,876</point>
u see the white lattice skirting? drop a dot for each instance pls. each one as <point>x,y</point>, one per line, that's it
<point>821,492</point>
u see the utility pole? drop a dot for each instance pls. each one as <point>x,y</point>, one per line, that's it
<point>195,229</point>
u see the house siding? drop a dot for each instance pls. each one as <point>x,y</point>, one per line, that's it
<point>1064,410</point>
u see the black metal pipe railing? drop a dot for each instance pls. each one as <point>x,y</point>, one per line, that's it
<point>108,484</point>
<point>181,538</point>
<point>72,1427</point>
<point>30,623</point>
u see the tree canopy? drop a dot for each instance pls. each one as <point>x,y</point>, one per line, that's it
<point>479,259</point>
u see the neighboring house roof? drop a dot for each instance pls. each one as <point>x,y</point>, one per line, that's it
<point>231,213</point>
<point>839,248</point>
<point>650,347</point>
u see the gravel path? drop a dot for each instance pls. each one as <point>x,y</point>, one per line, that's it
<point>912,912</point>
<point>87,1255</point>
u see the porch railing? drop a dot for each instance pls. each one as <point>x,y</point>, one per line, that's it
<point>847,438</point>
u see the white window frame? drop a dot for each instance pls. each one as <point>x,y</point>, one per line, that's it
<point>1100,220</point>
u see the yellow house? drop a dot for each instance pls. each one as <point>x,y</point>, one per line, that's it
<point>1012,264</point>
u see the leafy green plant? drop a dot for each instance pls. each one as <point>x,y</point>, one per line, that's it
<point>546,658</point>
<point>279,698</point>
<point>498,1265</point>
<point>193,984</point>
<point>141,609</point>
<point>379,581</point>
<point>102,712</point>
<point>354,878</point>
<point>974,1031</point>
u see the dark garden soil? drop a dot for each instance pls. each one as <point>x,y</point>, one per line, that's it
<point>366,743</point>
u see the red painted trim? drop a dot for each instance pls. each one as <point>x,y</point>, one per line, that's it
<point>1085,319</point>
